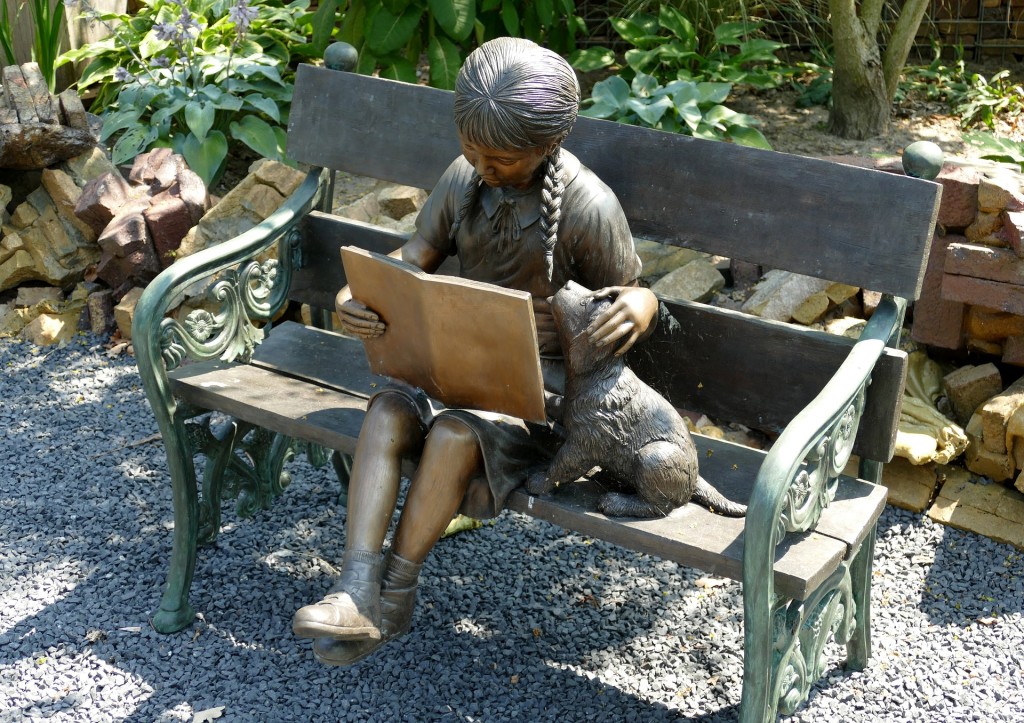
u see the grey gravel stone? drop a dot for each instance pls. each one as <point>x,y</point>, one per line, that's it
<point>517,621</point>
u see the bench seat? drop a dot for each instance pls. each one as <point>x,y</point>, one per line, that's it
<point>313,384</point>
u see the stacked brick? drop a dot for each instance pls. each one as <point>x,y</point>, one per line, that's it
<point>973,294</point>
<point>994,27</point>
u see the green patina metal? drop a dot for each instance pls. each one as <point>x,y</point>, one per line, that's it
<point>248,293</point>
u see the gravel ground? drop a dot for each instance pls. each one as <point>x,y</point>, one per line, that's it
<point>571,630</point>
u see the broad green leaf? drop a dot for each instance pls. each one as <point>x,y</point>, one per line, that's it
<point>611,91</point>
<point>265,105</point>
<point>199,117</point>
<point>690,114</point>
<point>211,91</point>
<point>228,102</point>
<point>733,33</point>
<point>674,21</point>
<point>119,121</point>
<point>257,134</point>
<point>131,143</point>
<point>97,70</point>
<point>389,32</point>
<point>643,60</point>
<point>205,157</point>
<point>488,5</point>
<point>323,24</point>
<point>510,17</point>
<point>456,17</point>
<point>650,113</point>
<point>151,46</point>
<point>714,92</point>
<point>445,60</point>
<point>684,92</point>
<point>635,33</point>
<point>398,69</point>
<point>167,111</point>
<point>719,116</point>
<point>545,12</point>
<point>600,109</point>
<point>643,85</point>
<point>589,59</point>
<point>746,136</point>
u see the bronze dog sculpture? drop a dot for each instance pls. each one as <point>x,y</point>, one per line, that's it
<point>617,422</point>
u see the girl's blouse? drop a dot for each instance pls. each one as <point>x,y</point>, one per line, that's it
<point>594,248</point>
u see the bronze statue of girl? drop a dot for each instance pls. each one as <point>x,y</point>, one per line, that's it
<point>520,212</point>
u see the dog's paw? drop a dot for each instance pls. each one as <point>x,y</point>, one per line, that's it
<point>539,483</point>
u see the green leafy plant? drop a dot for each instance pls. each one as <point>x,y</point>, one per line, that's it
<point>667,46</point>
<point>682,106</point>
<point>391,35</point>
<point>47,20</point>
<point>970,96</point>
<point>203,76</point>
<point>1002,150</point>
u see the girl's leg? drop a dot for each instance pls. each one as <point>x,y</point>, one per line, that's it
<point>451,457</point>
<point>351,609</point>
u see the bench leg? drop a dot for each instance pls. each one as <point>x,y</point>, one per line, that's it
<point>175,612</point>
<point>858,650</point>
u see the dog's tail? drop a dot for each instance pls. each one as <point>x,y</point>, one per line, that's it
<point>716,501</point>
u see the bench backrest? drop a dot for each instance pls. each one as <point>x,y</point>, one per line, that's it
<point>858,226</point>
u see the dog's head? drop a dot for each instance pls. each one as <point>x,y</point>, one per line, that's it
<point>574,308</point>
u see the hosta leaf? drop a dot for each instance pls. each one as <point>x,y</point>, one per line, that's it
<point>205,157</point>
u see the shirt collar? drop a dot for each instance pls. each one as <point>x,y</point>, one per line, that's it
<point>528,201</point>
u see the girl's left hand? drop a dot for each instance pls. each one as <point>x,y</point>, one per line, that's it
<point>628,318</point>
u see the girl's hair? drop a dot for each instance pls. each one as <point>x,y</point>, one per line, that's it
<point>511,94</point>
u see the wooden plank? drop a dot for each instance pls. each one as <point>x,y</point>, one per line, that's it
<point>323,235</point>
<point>279,403</point>
<point>984,262</point>
<point>802,214</point>
<point>322,357</point>
<point>761,373</point>
<point>691,535</point>
<point>981,292</point>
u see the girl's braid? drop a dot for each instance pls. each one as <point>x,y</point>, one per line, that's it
<point>551,208</point>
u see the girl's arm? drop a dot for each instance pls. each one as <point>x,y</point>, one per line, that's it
<point>356,318</point>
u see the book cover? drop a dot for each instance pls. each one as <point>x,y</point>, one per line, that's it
<point>465,343</point>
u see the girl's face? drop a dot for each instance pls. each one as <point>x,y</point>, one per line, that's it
<point>501,167</point>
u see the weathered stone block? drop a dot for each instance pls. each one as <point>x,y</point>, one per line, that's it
<point>910,486</point>
<point>32,295</point>
<point>192,191</point>
<point>995,414</point>
<point>1013,350</point>
<point>983,229</point>
<point>991,510</point>
<point>101,311</point>
<point>364,209</point>
<point>780,293</point>
<point>127,231</point>
<point>168,220</point>
<point>399,201</point>
<point>65,195</point>
<point>1013,230</point>
<point>124,312</point>
<point>281,177</point>
<point>968,387</point>
<point>659,259</point>
<point>982,323</point>
<point>1001,192</point>
<point>157,169</point>
<point>980,460</point>
<point>101,199</point>
<point>696,281</point>
<point>48,329</point>
<point>91,164</point>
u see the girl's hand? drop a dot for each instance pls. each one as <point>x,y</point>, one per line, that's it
<point>356,319</point>
<point>547,335</point>
<point>628,318</point>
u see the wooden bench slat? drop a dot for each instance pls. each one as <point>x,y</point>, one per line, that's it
<point>272,393</point>
<point>770,214</point>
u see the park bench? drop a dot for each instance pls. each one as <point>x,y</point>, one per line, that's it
<point>804,550</point>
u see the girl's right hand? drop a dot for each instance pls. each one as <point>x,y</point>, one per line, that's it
<point>358,320</point>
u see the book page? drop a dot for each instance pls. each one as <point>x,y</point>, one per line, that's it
<point>465,343</point>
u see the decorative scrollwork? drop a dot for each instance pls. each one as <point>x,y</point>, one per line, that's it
<point>800,631</point>
<point>250,294</point>
<point>814,484</point>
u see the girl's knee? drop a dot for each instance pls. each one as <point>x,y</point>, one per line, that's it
<point>393,420</point>
<point>451,433</point>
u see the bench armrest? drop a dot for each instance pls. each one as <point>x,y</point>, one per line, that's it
<point>800,473</point>
<point>248,290</point>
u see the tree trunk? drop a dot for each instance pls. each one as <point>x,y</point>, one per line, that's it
<point>860,104</point>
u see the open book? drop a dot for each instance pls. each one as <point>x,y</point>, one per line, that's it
<point>465,343</point>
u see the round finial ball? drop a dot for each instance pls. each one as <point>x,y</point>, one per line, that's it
<point>341,56</point>
<point>922,159</point>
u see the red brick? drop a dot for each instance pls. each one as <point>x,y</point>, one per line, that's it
<point>991,325</point>
<point>937,321</point>
<point>157,169</point>
<point>1013,230</point>
<point>990,294</point>
<point>984,262</point>
<point>959,203</point>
